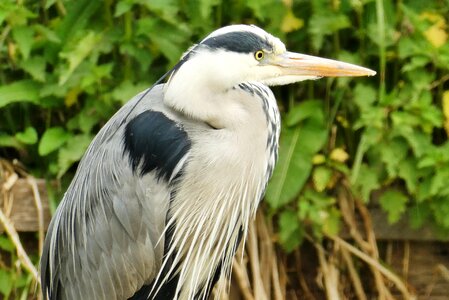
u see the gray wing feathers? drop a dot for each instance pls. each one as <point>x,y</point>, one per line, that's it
<point>111,228</point>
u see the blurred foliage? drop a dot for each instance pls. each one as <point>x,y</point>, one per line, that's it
<point>67,66</point>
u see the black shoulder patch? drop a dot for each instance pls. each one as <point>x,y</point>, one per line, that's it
<point>238,41</point>
<point>154,142</point>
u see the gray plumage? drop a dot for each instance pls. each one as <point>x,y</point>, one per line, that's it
<point>166,190</point>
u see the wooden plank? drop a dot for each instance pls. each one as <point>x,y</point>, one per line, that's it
<point>24,215</point>
<point>399,231</point>
<point>423,268</point>
<point>20,205</point>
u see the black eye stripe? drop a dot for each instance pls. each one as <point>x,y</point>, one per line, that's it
<point>238,41</point>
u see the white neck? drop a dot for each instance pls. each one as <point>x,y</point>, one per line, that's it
<point>200,86</point>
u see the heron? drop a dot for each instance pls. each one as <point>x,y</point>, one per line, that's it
<point>166,190</point>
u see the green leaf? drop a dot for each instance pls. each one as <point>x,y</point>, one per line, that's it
<point>52,139</point>
<point>24,37</point>
<point>6,282</point>
<point>9,141</point>
<point>305,109</point>
<point>72,152</point>
<point>168,39</point>
<point>35,66</point>
<point>6,244</point>
<point>122,7</point>
<point>291,170</point>
<point>75,56</point>
<point>321,177</point>
<point>331,224</point>
<point>165,9</point>
<point>47,33</point>
<point>127,90</point>
<point>322,24</point>
<point>440,180</point>
<point>19,91</point>
<point>366,182</point>
<point>364,96</point>
<point>78,14</point>
<point>290,234</point>
<point>392,153</point>
<point>394,203</point>
<point>419,215</point>
<point>297,148</point>
<point>408,171</point>
<point>29,136</point>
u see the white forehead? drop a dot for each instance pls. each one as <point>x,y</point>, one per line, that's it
<point>278,45</point>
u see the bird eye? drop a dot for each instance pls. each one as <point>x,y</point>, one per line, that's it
<point>259,55</point>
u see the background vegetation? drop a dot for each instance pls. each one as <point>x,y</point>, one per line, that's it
<point>67,66</point>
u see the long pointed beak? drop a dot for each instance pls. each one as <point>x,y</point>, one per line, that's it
<point>296,64</point>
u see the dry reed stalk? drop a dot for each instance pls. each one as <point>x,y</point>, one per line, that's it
<point>241,277</point>
<point>374,263</point>
<point>302,281</point>
<point>40,212</point>
<point>21,253</point>
<point>252,249</point>
<point>355,278</point>
<point>384,292</point>
<point>330,274</point>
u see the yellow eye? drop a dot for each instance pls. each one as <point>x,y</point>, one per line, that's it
<point>259,55</point>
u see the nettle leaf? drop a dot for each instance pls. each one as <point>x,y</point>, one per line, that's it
<point>332,221</point>
<point>19,91</point>
<point>167,9</point>
<point>439,180</point>
<point>394,203</point>
<point>419,215</point>
<point>392,153</point>
<point>440,209</point>
<point>127,90</point>
<point>418,141</point>
<point>323,24</point>
<point>141,54</point>
<point>168,39</point>
<point>321,177</point>
<point>416,62</point>
<point>52,139</point>
<point>29,136</point>
<point>364,96</point>
<point>23,35</point>
<point>35,66</point>
<point>290,234</point>
<point>75,56</point>
<point>258,7</point>
<point>407,170</point>
<point>366,181</point>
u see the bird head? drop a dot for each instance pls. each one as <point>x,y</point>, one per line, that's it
<point>240,53</point>
<point>245,53</point>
